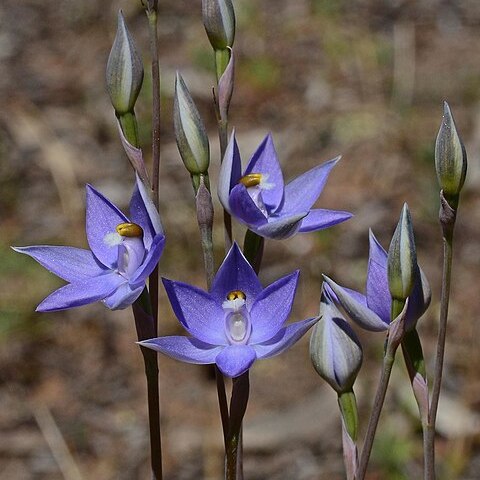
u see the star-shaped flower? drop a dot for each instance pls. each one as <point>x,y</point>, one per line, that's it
<point>372,311</point>
<point>234,324</point>
<point>259,199</point>
<point>123,253</point>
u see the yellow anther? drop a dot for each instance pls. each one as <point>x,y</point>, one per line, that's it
<point>236,294</point>
<point>251,180</point>
<point>129,230</point>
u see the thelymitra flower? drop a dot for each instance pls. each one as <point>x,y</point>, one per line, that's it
<point>372,311</point>
<point>123,253</point>
<point>234,324</point>
<point>259,199</point>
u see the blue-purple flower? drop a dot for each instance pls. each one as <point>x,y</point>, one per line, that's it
<point>259,199</point>
<point>123,252</point>
<point>372,311</point>
<point>234,324</point>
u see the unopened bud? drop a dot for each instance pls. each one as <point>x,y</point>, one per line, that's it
<point>124,70</point>
<point>450,156</point>
<point>190,133</point>
<point>402,258</point>
<point>219,22</point>
<point>335,351</point>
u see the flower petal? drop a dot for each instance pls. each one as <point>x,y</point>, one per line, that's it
<point>200,314</point>
<point>185,349</point>
<point>284,339</point>
<point>359,297</point>
<point>265,161</point>
<point>244,208</point>
<point>150,261</point>
<point>357,311</point>
<point>69,263</point>
<point>144,213</point>
<point>230,172</point>
<point>123,297</point>
<point>235,273</point>
<point>279,228</point>
<point>81,293</point>
<point>302,192</point>
<point>235,360</point>
<point>335,350</point>
<point>102,218</point>
<point>319,218</point>
<point>378,293</point>
<point>272,308</point>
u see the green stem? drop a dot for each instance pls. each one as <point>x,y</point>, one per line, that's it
<point>438,371</point>
<point>238,406</point>
<point>375,416</point>
<point>253,246</point>
<point>145,326</point>
<point>221,61</point>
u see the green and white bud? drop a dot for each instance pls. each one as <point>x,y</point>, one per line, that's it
<point>219,22</point>
<point>335,351</point>
<point>124,70</point>
<point>402,258</point>
<point>450,156</point>
<point>190,133</point>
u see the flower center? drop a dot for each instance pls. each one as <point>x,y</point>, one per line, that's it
<point>237,320</point>
<point>129,230</point>
<point>131,250</point>
<point>251,180</point>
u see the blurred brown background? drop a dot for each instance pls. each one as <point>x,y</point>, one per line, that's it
<point>361,78</point>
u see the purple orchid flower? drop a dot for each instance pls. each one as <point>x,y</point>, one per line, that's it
<point>372,311</point>
<point>234,324</point>
<point>260,200</point>
<point>123,253</point>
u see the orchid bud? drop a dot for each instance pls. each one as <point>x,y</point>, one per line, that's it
<point>450,156</point>
<point>219,22</point>
<point>402,258</point>
<point>192,140</point>
<point>124,70</point>
<point>335,351</point>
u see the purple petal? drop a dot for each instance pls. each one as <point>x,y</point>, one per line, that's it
<point>230,172</point>
<point>69,263</point>
<point>123,297</point>
<point>244,208</point>
<point>357,311</point>
<point>144,213</point>
<point>150,262</point>
<point>279,228</point>
<point>357,296</point>
<point>302,192</point>
<point>272,308</point>
<point>235,360</point>
<point>235,273</point>
<point>198,312</point>
<point>265,161</point>
<point>102,219</point>
<point>284,339</point>
<point>81,293</point>
<point>185,349</point>
<point>378,293</point>
<point>319,218</point>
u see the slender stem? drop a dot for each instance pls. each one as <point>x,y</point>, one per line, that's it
<point>437,380</point>
<point>253,247</point>
<point>447,217</point>
<point>129,126</point>
<point>145,326</point>
<point>205,215</point>
<point>153,33</point>
<point>375,416</point>
<point>238,406</point>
